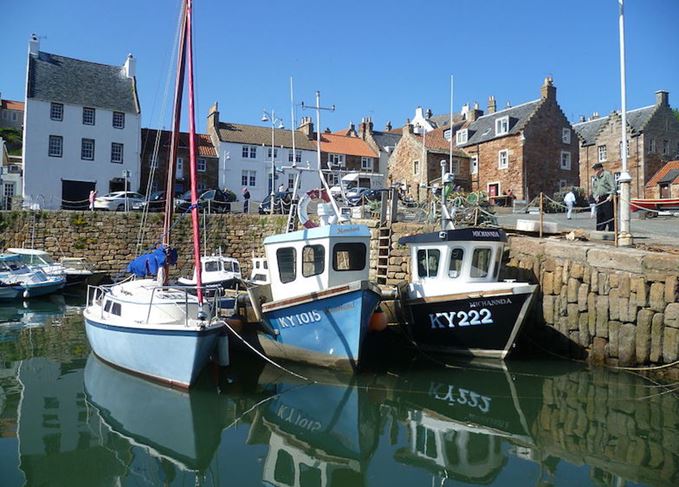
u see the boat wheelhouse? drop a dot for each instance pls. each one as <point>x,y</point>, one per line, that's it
<point>320,300</point>
<point>219,272</point>
<point>454,302</point>
<point>260,271</point>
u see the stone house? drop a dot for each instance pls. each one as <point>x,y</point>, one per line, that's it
<point>664,183</point>
<point>11,114</point>
<point>155,154</point>
<point>82,125</point>
<point>653,139</point>
<point>528,148</point>
<point>416,161</point>
<point>245,156</point>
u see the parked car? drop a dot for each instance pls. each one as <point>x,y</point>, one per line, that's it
<point>155,202</point>
<point>117,200</point>
<point>281,203</point>
<point>365,196</point>
<point>214,200</point>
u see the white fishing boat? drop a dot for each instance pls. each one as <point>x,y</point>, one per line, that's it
<point>219,272</point>
<point>143,325</point>
<point>17,280</point>
<point>454,301</point>
<point>76,270</point>
<point>259,274</point>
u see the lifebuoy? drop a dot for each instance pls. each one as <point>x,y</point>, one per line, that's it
<point>314,194</point>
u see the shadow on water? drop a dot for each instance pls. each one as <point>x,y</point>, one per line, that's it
<point>66,418</point>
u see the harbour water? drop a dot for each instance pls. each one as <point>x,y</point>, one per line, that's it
<point>68,419</point>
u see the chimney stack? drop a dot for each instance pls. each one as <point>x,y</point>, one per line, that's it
<point>548,90</point>
<point>475,112</point>
<point>429,113</point>
<point>662,98</point>
<point>130,66</point>
<point>34,45</point>
<point>307,127</point>
<point>492,106</point>
<point>581,119</point>
<point>407,128</point>
<point>388,127</point>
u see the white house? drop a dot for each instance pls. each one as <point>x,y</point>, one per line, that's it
<point>245,156</point>
<point>82,128</point>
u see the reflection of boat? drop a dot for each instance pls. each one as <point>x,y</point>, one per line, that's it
<point>36,312</point>
<point>318,434</point>
<point>182,427</point>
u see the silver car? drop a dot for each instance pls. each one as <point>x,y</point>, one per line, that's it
<point>118,201</point>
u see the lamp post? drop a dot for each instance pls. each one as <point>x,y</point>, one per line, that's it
<point>624,236</point>
<point>276,123</point>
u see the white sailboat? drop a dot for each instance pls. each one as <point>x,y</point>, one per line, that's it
<point>143,325</point>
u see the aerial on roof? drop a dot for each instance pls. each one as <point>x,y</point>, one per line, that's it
<point>203,142</point>
<point>668,174</point>
<point>341,144</point>
<point>256,135</point>
<point>636,119</point>
<point>61,79</point>
<point>483,128</point>
<point>11,105</point>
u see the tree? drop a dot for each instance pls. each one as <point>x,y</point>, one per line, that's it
<point>676,113</point>
<point>13,139</point>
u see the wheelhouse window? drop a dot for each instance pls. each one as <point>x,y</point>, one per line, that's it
<point>213,266</point>
<point>348,256</point>
<point>56,146</point>
<point>115,309</point>
<point>118,120</point>
<point>428,262</point>
<point>87,149</point>
<point>286,257</point>
<point>313,260</point>
<point>57,111</point>
<point>88,116</point>
<point>455,266</point>
<point>480,263</point>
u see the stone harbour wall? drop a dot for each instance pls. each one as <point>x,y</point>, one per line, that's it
<point>596,302</point>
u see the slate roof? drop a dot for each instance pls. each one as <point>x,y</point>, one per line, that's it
<point>669,173</point>
<point>636,119</point>
<point>436,142</point>
<point>204,143</point>
<point>341,144</point>
<point>387,139</point>
<point>239,133</point>
<point>483,128</point>
<point>67,80</point>
<point>443,120</point>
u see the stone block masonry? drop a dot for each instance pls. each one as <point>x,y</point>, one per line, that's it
<point>614,306</point>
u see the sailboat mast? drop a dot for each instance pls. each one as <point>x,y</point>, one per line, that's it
<point>192,153</point>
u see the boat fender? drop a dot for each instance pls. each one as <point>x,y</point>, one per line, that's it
<point>314,194</point>
<point>26,294</point>
<point>378,320</point>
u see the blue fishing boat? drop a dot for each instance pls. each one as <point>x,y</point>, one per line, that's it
<point>18,281</point>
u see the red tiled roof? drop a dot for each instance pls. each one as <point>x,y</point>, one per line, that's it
<point>12,105</point>
<point>341,144</point>
<point>204,143</point>
<point>664,171</point>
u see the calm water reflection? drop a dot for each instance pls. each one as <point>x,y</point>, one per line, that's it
<point>68,419</point>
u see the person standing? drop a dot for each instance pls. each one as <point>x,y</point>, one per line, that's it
<point>603,187</point>
<point>246,200</point>
<point>91,198</point>
<point>569,199</point>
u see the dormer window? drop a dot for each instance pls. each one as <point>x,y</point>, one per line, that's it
<point>461,137</point>
<point>502,126</point>
<point>446,134</point>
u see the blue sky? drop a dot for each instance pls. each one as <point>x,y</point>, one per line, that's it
<point>372,58</point>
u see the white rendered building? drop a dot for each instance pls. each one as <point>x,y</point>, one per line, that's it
<point>82,128</point>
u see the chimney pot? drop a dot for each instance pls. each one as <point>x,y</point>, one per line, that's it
<point>130,66</point>
<point>34,45</point>
<point>548,90</point>
<point>492,106</point>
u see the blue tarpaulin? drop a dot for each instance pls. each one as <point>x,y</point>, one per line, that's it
<point>148,264</point>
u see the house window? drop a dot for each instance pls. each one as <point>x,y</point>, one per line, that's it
<point>446,134</point>
<point>286,258</point>
<point>416,167</point>
<point>503,159</point>
<point>180,167</point>
<point>367,163</point>
<point>249,152</point>
<point>502,126</point>
<point>118,120</point>
<point>666,147</point>
<point>333,180</point>
<point>474,165</point>
<point>566,135</point>
<point>56,146</point>
<point>248,178</point>
<point>298,156</point>
<point>565,160</point>
<point>275,153</point>
<point>116,152</point>
<point>313,260</point>
<point>57,111</point>
<point>562,183</point>
<point>336,159</point>
<point>461,137</point>
<point>651,145</point>
<point>88,116</point>
<point>291,181</point>
<point>201,165</point>
<point>87,149</point>
<point>602,153</point>
<point>428,262</point>
<point>348,257</point>
<point>620,148</point>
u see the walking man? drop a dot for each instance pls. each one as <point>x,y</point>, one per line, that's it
<point>603,188</point>
<point>569,199</point>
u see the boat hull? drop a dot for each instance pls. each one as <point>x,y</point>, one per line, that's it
<point>34,290</point>
<point>10,293</point>
<point>325,329</point>
<point>485,326</point>
<point>173,357</point>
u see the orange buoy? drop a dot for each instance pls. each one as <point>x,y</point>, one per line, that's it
<point>378,321</point>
